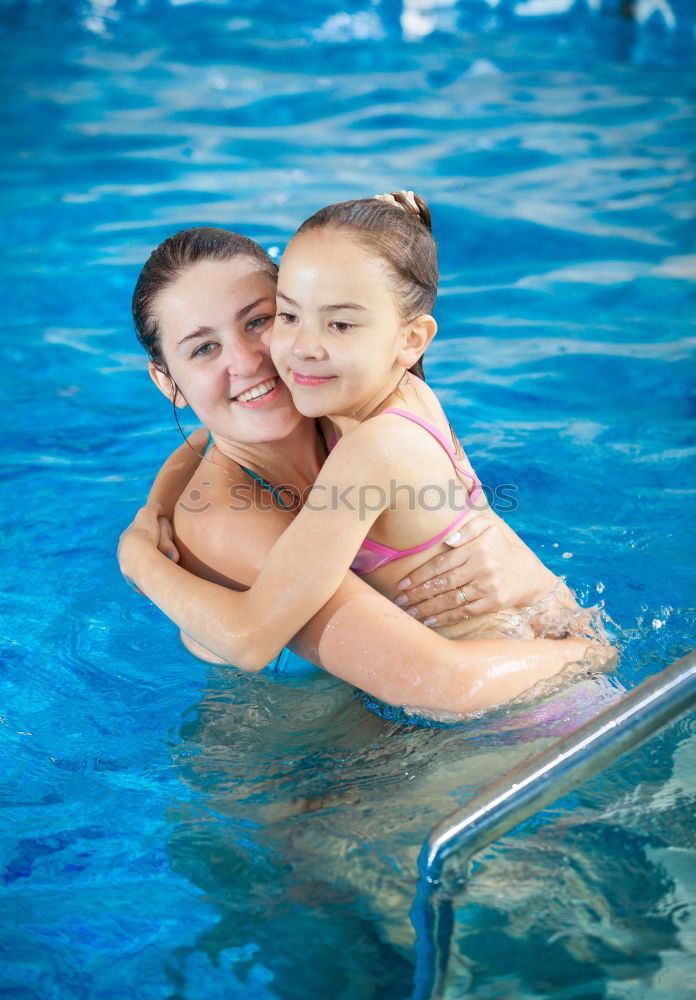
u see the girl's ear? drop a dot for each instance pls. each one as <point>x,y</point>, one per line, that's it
<point>165,385</point>
<point>418,333</point>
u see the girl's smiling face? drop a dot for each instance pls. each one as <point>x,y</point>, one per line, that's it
<point>215,321</point>
<point>338,334</point>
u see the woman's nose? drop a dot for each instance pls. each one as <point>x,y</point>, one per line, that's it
<point>244,358</point>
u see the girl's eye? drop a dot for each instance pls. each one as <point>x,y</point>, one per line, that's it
<point>340,327</point>
<point>204,349</point>
<point>287,317</point>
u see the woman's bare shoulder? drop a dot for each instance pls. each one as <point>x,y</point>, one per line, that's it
<point>225,524</point>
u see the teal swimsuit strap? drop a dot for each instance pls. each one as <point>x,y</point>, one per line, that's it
<point>266,485</point>
<point>259,479</point>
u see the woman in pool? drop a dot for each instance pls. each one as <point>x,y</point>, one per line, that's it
<point>219,363</point>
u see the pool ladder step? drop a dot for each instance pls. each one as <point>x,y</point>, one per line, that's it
<point>643,712</point>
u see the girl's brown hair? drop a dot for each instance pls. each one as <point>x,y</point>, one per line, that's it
<point>400,235</point>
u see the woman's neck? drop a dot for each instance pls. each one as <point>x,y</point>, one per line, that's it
<point>293,461</point>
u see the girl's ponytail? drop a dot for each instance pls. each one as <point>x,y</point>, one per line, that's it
<point>411,203</point>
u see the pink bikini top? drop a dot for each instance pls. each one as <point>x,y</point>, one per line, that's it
<point>373,555</point>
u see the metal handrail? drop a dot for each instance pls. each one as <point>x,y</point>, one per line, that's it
<point>510,800</point>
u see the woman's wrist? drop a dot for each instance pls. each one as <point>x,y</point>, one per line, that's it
<point>543,583</point>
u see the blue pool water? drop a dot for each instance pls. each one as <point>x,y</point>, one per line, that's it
<point>173,830</point>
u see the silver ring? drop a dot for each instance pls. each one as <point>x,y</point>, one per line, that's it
<point>462,594</point>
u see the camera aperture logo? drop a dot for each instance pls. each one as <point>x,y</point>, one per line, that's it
<point>366,499</point>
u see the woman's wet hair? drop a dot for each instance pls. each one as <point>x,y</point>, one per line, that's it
<point>170,260</point>
<point>398,231</point>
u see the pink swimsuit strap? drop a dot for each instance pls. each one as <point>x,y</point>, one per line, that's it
<point>373,555</point>
<point>426,425</point>
<point>430,428</point>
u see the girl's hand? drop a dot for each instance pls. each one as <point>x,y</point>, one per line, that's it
<point>488,568</point>
<point>149,527</point>
<point>166,539</point>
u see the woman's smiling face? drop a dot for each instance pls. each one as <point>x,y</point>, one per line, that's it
<point>215,322</point>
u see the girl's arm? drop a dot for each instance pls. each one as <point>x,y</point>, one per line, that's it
<point>493,565</point>
<point>309,561</point>
<point>305,566</point>
<point>174,476</point>
<point>171,481</point>
<point>358,635</point>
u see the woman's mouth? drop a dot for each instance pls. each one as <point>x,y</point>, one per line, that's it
<point>258,394</point>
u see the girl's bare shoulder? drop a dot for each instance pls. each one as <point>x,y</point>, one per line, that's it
<point>422,400</point>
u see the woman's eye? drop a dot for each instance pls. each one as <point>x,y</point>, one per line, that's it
<point>340,327</point>
<point>259,323</point>
<point>287,317</point>
<point>204,349</point>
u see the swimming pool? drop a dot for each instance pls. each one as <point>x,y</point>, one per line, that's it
<point>179,831</point>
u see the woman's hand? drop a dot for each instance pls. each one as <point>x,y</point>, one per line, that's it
<point>488,568</point>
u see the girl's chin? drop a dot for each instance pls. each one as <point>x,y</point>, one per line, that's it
<point>309,405</point>
<point>311,412</point>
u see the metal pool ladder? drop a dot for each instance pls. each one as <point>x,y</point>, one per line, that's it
<point>640,714</point>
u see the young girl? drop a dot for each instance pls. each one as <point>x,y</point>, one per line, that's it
<point>356,289</point>
<point>357,284</point>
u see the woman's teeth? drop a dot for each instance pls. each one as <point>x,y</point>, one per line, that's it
<point>256,391</point>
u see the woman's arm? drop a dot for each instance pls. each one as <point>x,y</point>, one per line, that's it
<point>392,657</point>
<point>358,636</point>
<point>307,563</point>
<point>487,559</point>
<point>494,568</point>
